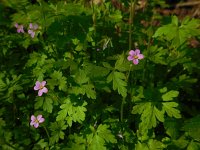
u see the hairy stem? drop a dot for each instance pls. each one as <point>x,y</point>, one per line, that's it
<point>124,98</point>
<point>131,16</point>
<point>47,132</point>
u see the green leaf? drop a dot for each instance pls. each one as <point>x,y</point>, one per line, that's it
<point>116,16</point>
<point>39,102</point>
<point>89,90</point>
<point>151,145</point>
<point>97,143</point>
<point>76,142</point>
<point>118,82</point>
<point>158,55</point>
<point>81,77</point>
<point>77,90</point>
<point>149,115</point>
<point>170,109</point>
<point>163,90</point>
<point>57,132</point>
<point>94,71</point>
<point>122,64</point>
<point>66,108</point>
<point>171,125</point>
<point>40,145</point>
<point>78,114</point>
<point>170,95</point>
<point>175,20</point>
<point>71,112</point>
<point>141,146</point>
<point>155,145</point>
<point>107,65</point>
<point>138,94</point>
<point>106,134</point>
<point>58,80</point>
<point>181,143</point>
<point>166,31</point>
<point>187,29</point>
<point>47,105</point>
<point>193,146</point>
<point>192,127</point>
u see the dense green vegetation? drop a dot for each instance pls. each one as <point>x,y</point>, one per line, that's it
<point>97,75</point>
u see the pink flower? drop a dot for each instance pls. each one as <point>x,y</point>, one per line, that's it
<point>35,121</point>
<point>41,87</point>
<point>135,56</point>
<point>32,29</point>
<point>20,28</point>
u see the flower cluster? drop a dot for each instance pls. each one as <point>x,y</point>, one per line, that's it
<point>40,87</point>
<point>135,56</point>
<point>20,28</point>
<point>31,30</point>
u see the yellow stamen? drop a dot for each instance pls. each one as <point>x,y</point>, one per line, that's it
<point>41,87</point>
<point>36,121</point>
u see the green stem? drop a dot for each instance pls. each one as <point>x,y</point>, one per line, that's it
<point>145,63</point>
<point>131,16</point>
<point>122,109</point>
<point>8,144</point>
<point>94,17</point>
<point>124,98</point>
<point>47,132</point>
<point>144,78</point>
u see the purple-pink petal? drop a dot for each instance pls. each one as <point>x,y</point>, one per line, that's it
<point>40,92</point>
<point>36,124</point>
<point>35,27</point>
<point>33,118</point>
<point>30,31</point>
<point>137,52</point>
<point>41,120</point>
<point>44,90</point>
<point>37,85</point>
<point>30,25</point>
<point>39,117</point>
<point>140,56</point>
<point>130,58</point>
<point>32,123</point>
<point>16,25</point>
<point>36,88</point>
<point>43,83</point>
<point>32,34</point>
<point>132,52</point>
<point>135,61</point>
<point>18,30</point>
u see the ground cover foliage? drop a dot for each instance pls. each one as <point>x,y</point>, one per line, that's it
<point>69,80</point>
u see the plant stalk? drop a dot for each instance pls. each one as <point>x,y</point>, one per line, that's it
<point>131,16</point>
<point>47,132</point>
<point>124,98</point>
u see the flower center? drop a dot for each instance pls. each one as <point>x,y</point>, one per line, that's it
<point>41,87</point>
<point>36,121</point>
<point>135,57</point>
